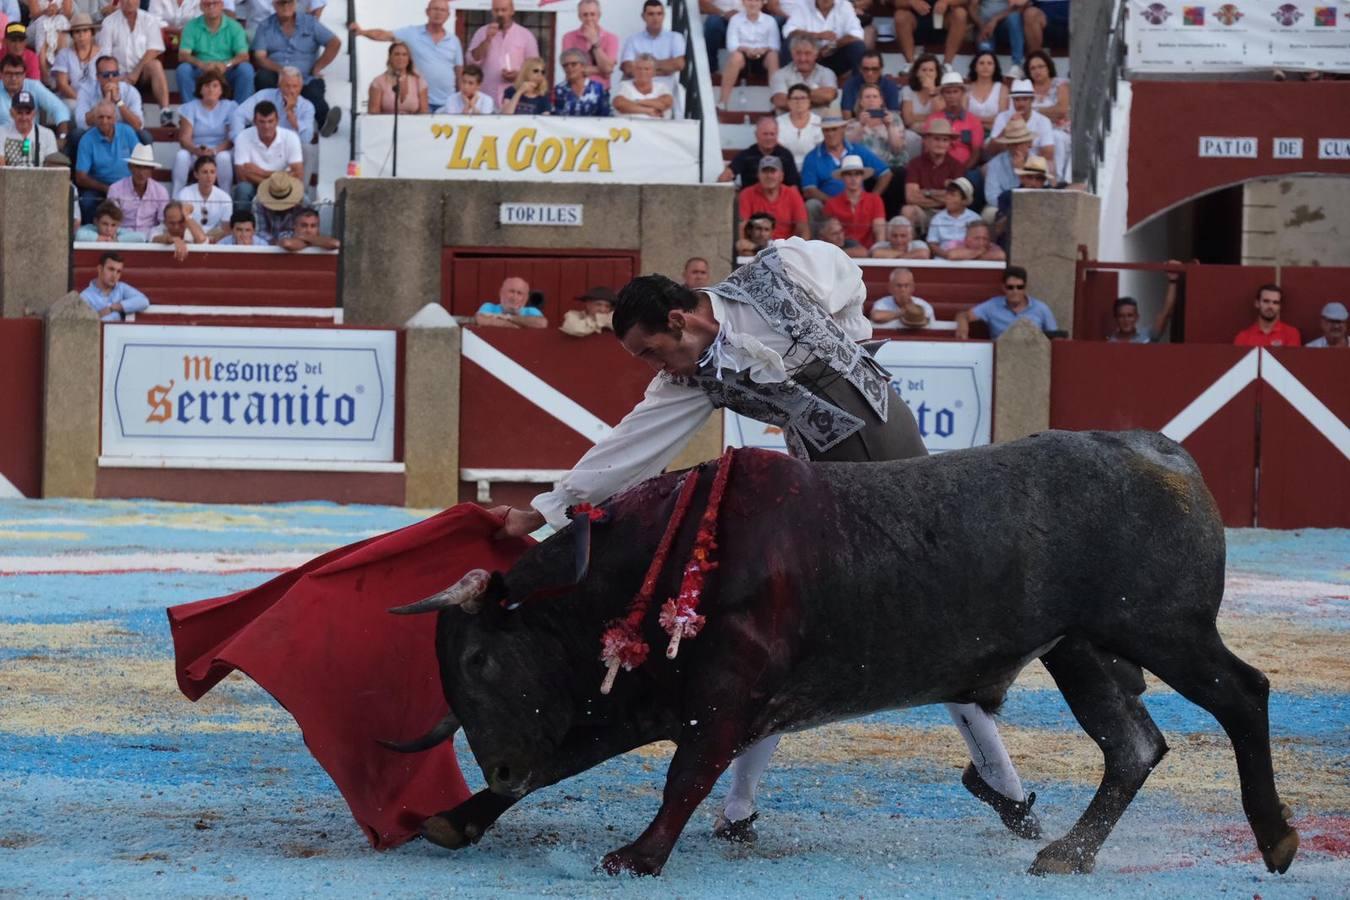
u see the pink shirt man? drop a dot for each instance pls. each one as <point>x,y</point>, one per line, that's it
<point>967,137</point>
<point>609,44</point>
<point>507,50</point>
<point>140,213</point>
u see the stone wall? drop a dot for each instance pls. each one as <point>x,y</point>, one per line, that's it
<point>35,214</point>
<point>1297,221</point>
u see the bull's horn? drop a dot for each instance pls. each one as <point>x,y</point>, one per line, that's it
<point>443,729</point>
<point>464,593</point>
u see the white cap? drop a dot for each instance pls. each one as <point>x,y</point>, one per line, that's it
<point>955,78</point>
<point>1022,88</point>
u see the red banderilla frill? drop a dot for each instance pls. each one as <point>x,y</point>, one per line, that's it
<point>679,615</point>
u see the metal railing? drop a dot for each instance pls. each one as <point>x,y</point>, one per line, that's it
<point>1097,57</point>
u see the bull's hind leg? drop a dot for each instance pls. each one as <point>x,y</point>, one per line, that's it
<point>1206,672</point>
<point>1103,694</point>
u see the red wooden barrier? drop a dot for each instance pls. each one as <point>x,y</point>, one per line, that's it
<point>208,278</point>
<point>1306,290</point>
<point>1094,305</point>
<point>1122,386</point>
<point>1305,478</point>
<point>1220,300</point>
<point>21,373</point>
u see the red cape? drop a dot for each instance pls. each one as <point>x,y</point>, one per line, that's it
<point>321,641</point>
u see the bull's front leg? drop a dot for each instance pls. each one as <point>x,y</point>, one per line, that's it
<point>699,761</point>
<point>466,823</point>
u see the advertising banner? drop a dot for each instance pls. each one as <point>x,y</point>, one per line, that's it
<point>948,386</point>
<point>532,148</point>
<point>1198,37</point>
<point>230,394</point>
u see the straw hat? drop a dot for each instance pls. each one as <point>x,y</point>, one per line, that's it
<point>1016,132</point>
<point>853,163</point>
<point>142,155</point>
<point>938,126</point>
<point>280,191</point>
<point>914,316</point>
<point>1035,165</point>
<point>81,22</point>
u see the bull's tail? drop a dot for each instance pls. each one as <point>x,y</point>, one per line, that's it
<point>442,730</point>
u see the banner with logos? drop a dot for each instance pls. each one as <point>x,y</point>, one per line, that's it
<point>948,386</point>
<point>1199,37</point>
<point>532,148</point>
<point>185,392</point>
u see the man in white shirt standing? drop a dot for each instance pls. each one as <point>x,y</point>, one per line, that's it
<point>133,38</point>
<point>261,150</point>
<point>776,341</point>
<point>835,28</point>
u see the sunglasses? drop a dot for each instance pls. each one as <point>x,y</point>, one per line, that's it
<point>112,74</point>
<point>1014,287</point>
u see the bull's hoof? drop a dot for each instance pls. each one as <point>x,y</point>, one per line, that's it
<point>1279,857</point>
<point>628,861</point>
<point>739,832</point>
<point>1017,815</point>
<point>442,832</point>
<point>1062,858</point>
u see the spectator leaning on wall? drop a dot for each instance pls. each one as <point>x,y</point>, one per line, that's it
<point>108,295</point>
<point>1000,312</point>
<point>511,309</point>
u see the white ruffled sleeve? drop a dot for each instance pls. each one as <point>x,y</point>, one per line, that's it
<point>833,277</point>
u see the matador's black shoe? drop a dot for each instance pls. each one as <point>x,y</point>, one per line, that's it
<point>1016,814</point>
<point>739,832</point>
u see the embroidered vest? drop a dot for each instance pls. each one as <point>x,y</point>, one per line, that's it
<point>789,309</point>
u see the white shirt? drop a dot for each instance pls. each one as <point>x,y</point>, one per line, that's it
<point>11,145</point>
<point>284,152</point>
<point>218,207</point>
<point>628,90</point>
<point>888,304</point>
<point>188,236</point>
<point>482,105</point>
<point>726,6</point>
<point>800,141</point>
<point>648,438</point>
<point>787,76</point>
<point>763,32</point>
<point>1039,126</point>
<point>129,45</point>
<point>842,20</point>
<point>174,15</point>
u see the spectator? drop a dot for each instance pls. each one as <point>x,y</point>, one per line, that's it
<point>819,181</point>
<point>1333,326</point>
<point>294,112</point>
<point>242,228</point>
<point>499,47</point>
<point>55,114</point>
<point>214,42</point>
<point>986,96</point>
<point>756,232</point>
<point>914,23</point>
<point>510,310</point>
<point>1046,19</point>
<point>1268,330</point>
<point>92,8</point>
<point>920,98</point>
<point>1035,175</point>
<point>133,38</point>
<point>25,143</point>
<point>861,213</point>
<point>306,233</point>
<point>263,149</point>
<point>881,131</point>
<point>141,197</point>
<point>890,311</point>
<point>744,166</point>
<point>399,84</point>
<point>596,313</point>
<point>1052,101</point>
<point>47,31</point>
<point>530,95</point>
<point>469,100</point>
<point>979,244</point>
<point>1000,173</point>
<point>832,232</point>
<point>771,196</point>
<point>717,16</point>
<point>210,203</point>
<point>75,65</point>
<point>947,228</point>
<point>178,229</point>
<point>599,48</point>
<point>576,94</point>
<point>436,51</point>
<point>255,12</point>
<point>870,72</point>
<point>798,129</point>
<point>288,38</point>
<point>276,206</point>
<point>108,85</point>
<point>967,131</point>
<point>1000,312</point>
<point>204,126</point>
<point>666,47</point>
<point>1043,137</point>
<point>820,81</point>
<point>1126,312</point>
<point>900,242</point>
<point>834,26</point>
<point>108,295</point>
<point>644,96</point>
<point>107,227</point>
<point>1000,19</point>
<point>752,38</point>
<point>926,177</point>
<point>101,158</point>
<point>175,14</point>
<point>16,44</point>
<point>696,273</point>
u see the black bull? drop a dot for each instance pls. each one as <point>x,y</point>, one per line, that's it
<point>849,588</point>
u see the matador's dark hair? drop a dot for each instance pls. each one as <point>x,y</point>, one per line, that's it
<point>647,301</point>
